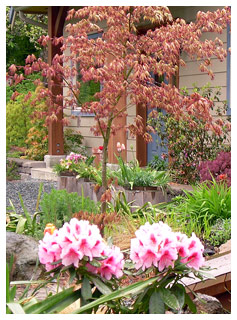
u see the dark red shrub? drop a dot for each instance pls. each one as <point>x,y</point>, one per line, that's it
<point>220,168</point>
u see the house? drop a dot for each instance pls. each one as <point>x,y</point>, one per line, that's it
<point>185,77</point>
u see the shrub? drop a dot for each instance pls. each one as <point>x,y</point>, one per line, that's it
<point>188,146</point>
<point>18,121</point>
<point>24,87</point>
<point>37,141</point>
<point>59,206</point>
<point>157,254</point>
<point>131,175</point>
<point>73,142</point>
<point>25,126</point>
<point>220,168</point>
<point>158,164</point>
<point>12,171</point>
<point>220,232</point>
<point>200,208</point>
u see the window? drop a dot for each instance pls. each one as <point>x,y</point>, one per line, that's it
<point>88,89</point>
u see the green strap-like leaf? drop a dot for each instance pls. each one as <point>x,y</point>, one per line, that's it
<point>15,307</point>
<point>86,289</point>
<point>156,304</point>
<point>12,293</point>
<point>61,305</point>
<point>100,285</point>
<point>190,303</point>
<point>39,196</point>
<point>21,225</point>
<point>47,304</point>
<point>132,289</point>
<point>169,299</point>
<point>26,212</point>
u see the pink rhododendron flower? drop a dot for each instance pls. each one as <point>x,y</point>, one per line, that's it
<point>157,245</point>
<point>154,243</point>
<point>81,237</point>
<point>71,243</point>
<point>167,258</point>
<point>49,250</point>
<point>110,266</point>
<point>195,257</point>
<point>71,255</point>
<point>182,245</point>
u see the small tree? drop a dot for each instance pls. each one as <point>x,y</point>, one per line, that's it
<point>189,146</point>
<point>123,59</point>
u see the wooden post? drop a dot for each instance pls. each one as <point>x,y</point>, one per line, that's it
<point>120,136</point>
<point>141,145</point>
<point>56,20</point>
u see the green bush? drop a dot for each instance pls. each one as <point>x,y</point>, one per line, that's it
<point>12,171</point>
<point>18,121</point>
<point>25,126</point>
<point>73,142</point>
<point>59,206</point>
<point>158,164</point>
<point>23,87</point>
<point>220,232</point>
<point>200,209</point>
<point>132,175</point>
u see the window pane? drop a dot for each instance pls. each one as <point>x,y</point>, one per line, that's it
<point>87,91</point>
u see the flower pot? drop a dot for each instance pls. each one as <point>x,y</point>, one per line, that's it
<point>81,186</point>
<point>141,195</point>
<point>68,174</point>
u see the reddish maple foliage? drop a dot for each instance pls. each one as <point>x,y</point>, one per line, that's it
<point>123,61</point>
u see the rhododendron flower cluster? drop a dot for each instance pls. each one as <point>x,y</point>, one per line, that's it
<point>76,240</point>
<point>157,245</point>
<point>112,265</point>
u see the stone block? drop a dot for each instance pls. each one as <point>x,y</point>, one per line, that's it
<point>25,170</point>
<point>51,160</point>
<point>34,164</point>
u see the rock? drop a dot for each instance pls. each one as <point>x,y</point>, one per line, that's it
<point>25,252</point>
<point>208,304</point>
<point>225,247</point>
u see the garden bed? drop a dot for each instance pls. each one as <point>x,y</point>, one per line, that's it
<point>139,196</point>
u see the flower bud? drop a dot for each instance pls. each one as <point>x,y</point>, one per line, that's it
<point>50,228</point>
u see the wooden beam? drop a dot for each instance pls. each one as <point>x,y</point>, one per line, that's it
<point>56,20</point>
<point>120,135</point>
<point>141,145</point>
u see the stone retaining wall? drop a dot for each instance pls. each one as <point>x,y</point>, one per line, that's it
<point>138,197</point>
<point>25,166</point>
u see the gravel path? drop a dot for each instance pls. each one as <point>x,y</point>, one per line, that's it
<point>29,191</point>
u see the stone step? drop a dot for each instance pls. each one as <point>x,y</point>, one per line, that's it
<point>26,163</point>
<point>44,174</point>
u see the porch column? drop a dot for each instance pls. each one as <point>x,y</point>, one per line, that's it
<point>56,20</point>
<point>141,145</point>
<point>120,135</point>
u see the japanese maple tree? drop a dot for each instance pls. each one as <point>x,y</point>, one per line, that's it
<point>124,59</point>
